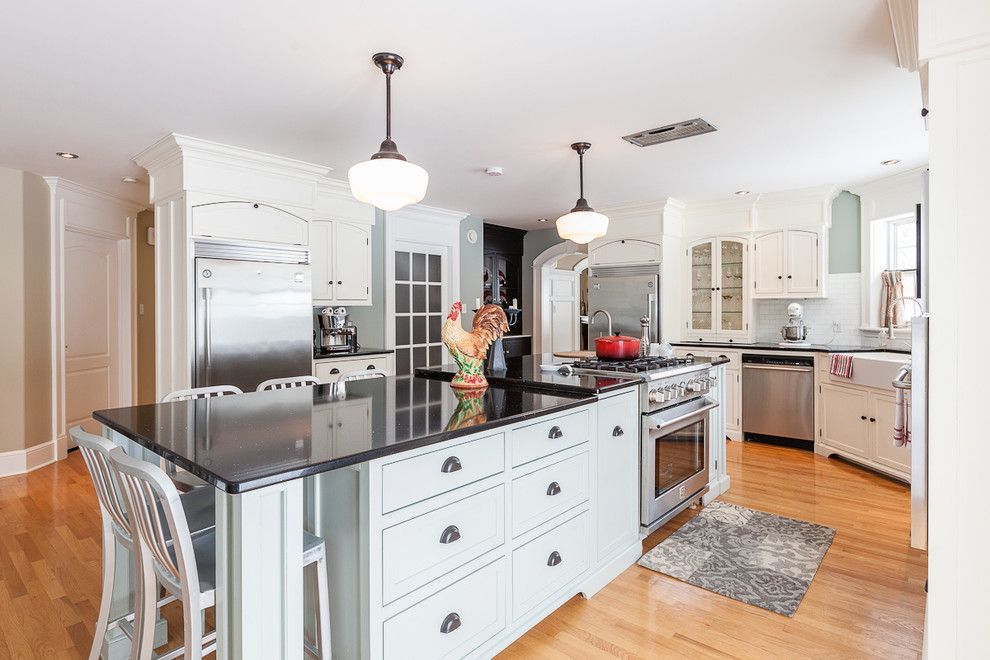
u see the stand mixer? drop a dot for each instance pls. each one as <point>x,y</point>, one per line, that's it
<point>795,333</point>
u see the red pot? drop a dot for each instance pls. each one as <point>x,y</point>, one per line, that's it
<point>617,347</point>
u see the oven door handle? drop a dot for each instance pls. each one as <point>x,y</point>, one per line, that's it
<point>694,413</point>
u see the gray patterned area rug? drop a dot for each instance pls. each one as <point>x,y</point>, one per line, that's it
<point>756,557</point>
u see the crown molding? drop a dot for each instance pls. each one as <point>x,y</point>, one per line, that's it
<point>889,183</point>
<point>58,185</point>
<point>424,213</point>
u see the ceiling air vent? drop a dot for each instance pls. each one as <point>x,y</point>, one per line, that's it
<point>681,129</point>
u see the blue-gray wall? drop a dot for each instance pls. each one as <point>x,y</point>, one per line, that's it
<point>534,242</point>
<point>472,261</point>
<point>844,237</point>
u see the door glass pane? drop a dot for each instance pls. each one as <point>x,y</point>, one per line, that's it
<point>419,267</point>
<point>402,361</point>
<point>702,296</point>
<point>435,323</point>
<point>402,330</point>
<point>419,329</point>
<point>401,298</point>
<point>419,298</point>
<point>418,357</point>
<point>402,266</point>
<point>680,454</point>
<point>731,283</point>
<point>436,355</point>
<point>435,273</point>
<point>436,304</point>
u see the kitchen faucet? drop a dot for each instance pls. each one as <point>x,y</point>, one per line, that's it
<point>890,312</point>
<point>607,316</point>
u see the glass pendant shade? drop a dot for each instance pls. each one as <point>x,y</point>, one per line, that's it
<point>582,226</point>
<point>388,183</point>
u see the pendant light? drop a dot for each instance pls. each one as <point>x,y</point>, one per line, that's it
<point>388,180</point>
<point>583,224</point>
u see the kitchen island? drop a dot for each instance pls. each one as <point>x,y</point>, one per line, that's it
<point>454,521</point>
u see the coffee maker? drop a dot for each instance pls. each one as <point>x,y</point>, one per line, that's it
<point>795,333</point>
<point>337,333</point>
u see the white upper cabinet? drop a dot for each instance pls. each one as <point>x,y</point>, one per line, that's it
<point>718,303</point>
<point>625,251</point>
<point>249,221</point>
<point>789,263</point>
<point>321,247</point>
<point>341,258</point>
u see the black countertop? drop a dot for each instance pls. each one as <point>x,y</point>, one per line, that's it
<point>525,371</point>
<point>772,346</point>
<point>247,441</point>
<point>320,355</point>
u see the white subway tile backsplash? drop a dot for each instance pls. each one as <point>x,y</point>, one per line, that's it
<point>842,306</point>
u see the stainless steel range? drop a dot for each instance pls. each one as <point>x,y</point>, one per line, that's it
<point>677,431</point>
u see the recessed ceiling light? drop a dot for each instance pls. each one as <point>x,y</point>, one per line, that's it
<point>494,171</point>
<point>742,192</point>
<point>66,155</point>
<point>892,161</point>
<point>542,219</point>
<point>128,179</point>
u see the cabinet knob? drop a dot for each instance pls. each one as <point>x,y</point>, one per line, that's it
<point>370,367</point>
<point>553,489</point>
<point>339,282</point>
<point>873,419</point>
<point>450,534</point>
<point>554,558</point>
<point>555,433</point>
<point>780,277</point>
<point>450,623</point>
<point>452,464</point>
<point>788,277</point>
<point>335,370</point>
<point>863,417</point>
<point>617,431</point>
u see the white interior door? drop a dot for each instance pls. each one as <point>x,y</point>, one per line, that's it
<point>422,299</point>
<point>564,301</point>
<point>91,327</point>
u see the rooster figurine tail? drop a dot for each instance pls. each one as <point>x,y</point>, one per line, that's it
<point>470,348</point>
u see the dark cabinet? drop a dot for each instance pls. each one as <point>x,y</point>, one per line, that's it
<point>503,271</point>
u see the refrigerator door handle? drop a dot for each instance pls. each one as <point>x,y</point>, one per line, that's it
<point>207,323</point>
<point>651,301</point>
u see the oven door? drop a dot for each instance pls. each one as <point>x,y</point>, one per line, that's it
<point>675,458</point>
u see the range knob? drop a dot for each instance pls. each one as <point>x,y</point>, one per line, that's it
<point>656,396</point>
<point>682,388</point>
<point>695,385</point>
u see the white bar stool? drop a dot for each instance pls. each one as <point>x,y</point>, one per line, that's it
<point>185,563</point>
<point>287,383</point>
<point>97,453</point>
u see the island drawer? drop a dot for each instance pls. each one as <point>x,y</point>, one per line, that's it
<point>452,622</point>
<point>415,479</point>
<point>550,436</point>
<point>540,495</point>
<point>329,370</point>
<point>548,562</point>
<point>422,549</point>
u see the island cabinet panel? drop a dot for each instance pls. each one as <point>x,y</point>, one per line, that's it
<point>412,480</point>
<point>549,491</point>
<point>453,621</point>
<point>617,500</point>
<point>547,437</point>
<point>420,550</point>
<point>548,562</point>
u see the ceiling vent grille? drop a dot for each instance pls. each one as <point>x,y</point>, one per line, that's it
<point>670,132</point>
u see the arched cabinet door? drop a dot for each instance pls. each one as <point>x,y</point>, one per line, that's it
<point>249,221</point>
<point>625,251</point>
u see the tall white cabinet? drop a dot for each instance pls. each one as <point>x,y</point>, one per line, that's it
<point>718,302</point>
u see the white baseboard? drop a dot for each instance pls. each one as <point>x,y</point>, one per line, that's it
<point>20,461</point>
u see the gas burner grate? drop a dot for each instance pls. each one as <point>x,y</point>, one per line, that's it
<point>640,365</point>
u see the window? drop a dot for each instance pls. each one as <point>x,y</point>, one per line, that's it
<point>902,251</point>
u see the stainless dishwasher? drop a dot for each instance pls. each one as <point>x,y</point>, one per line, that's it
<point>778,399</point>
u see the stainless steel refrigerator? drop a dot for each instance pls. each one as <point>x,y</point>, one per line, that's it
<point>254,315</point>
<point>627,293</point>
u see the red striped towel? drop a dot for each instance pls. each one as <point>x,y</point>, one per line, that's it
<point>841,365</point>
<point>902,419</point>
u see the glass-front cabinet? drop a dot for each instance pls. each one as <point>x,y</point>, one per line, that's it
<point>718,301</point>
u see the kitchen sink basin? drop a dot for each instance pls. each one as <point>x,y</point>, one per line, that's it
<point>876,369</point>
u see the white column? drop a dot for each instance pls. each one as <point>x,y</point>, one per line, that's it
<point>260,573</point>
<point>955,40</point>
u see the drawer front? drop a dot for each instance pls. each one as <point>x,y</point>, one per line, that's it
<point>735,359</point>
<point>452,622</point>
<point>424,548</point>
<point>539,496</point>
<point>548,562</point>
<point>329,370</point>
<point>418,478</point>
<point>550,436</point>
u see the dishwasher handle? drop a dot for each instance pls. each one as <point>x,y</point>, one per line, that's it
<point>778,367</point>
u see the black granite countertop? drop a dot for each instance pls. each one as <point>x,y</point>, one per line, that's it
<point>321,355</point>
<point>247,441</point>
<point>525,371</point>
<point>773,346</point>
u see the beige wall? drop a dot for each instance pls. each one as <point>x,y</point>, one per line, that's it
<point>145,255</point>
<point>25,333</point>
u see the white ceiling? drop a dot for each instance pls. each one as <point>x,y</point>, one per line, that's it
<point>803,93</point>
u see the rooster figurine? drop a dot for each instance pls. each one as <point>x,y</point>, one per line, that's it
<point>470,348</point>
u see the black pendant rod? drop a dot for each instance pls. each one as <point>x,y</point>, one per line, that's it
<point>580,148</point>
<point>388,105</point>
<point>581,172</point>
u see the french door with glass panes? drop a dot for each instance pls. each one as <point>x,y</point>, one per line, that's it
<point>718,299</point>
<point>421,305</point>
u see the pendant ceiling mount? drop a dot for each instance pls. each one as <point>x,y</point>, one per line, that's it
<point>387,179</point>
<point>583,224</point>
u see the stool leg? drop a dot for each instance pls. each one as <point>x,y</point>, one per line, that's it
<point>145,606</point>
<point>109,569</point>
<point>192,622</point>
<point>323,591</point>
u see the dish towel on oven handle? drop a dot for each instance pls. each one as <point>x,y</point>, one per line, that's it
<point>841,365</point>
<point>902,418</point>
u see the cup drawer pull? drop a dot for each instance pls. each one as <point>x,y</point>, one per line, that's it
<point>555,433</point>
<point>452,464</point>
<point>554,558</point>
<point>450,534</point>
<point>553,489</point>
<point>450,623</point>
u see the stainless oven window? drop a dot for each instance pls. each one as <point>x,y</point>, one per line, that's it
<point>680,454</point>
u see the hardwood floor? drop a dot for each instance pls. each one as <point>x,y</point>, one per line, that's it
<point>867,600</point>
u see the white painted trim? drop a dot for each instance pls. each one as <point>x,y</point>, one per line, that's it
<point>904,23</point>
<point>21,461</point>
<point>543,266</point>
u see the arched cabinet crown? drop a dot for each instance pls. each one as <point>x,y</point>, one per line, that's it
<point>625,251</point>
